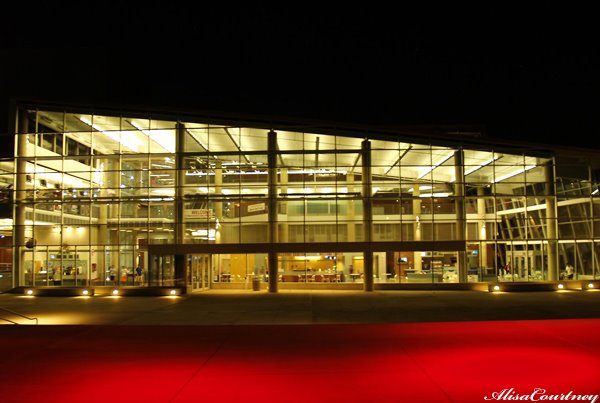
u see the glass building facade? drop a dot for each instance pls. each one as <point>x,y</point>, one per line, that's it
<point>100,198</point>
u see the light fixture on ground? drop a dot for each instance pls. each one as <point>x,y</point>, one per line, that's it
<point>496,288</point>
<point>561,286</point>
<point>173,292</point>
<point>29,291</point>
<point>115,292</point>
<point>85,292</point>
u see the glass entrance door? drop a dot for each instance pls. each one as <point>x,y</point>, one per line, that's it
<point>199,269</point>
<point>162,272</point>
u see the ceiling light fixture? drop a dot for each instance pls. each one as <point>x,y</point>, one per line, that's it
<point>515,173</point>
<point>436,165</point>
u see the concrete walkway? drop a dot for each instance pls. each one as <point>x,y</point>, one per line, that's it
<point>224,307</point>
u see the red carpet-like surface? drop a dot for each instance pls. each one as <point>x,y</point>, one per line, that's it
<point>407,362</point>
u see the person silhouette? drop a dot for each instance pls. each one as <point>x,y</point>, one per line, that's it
<point>569,272</point>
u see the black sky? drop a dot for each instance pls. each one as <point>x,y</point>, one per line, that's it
<point>522,75</point>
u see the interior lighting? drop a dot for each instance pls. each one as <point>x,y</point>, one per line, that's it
<point>515,173</point>
<point>422,187</point>
<point>251,173</point>
<point>317,171</point>
<point>209,234</point>
<point>438,194</point>
<point>165,138</point>
<point>124,138</point>
<point>188,173</point>
<point>436,165</point>
<point>486,163</point>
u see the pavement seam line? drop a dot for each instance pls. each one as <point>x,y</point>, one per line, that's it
<point>427,374</point>
<point>197,371</point>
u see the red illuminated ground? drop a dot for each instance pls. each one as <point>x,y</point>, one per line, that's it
<point>408,362</point>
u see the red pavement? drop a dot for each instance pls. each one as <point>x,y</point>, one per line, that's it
<point>407,362</point>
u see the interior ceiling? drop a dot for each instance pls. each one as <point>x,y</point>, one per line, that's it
<point>392,159</point>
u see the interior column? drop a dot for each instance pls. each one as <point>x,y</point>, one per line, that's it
<point>283,226</point>
<point>219,201</point>
<point>416,205</point>
<point>461,216</point>
<point>482,229</point>
<point>351,226</point>
<point>551,222</point>
<point>114,212</point>
<point>102,238</point>
<point>367,215</point>
<point>20,195</point>
<point>272,212</point>
<point>180,266</point>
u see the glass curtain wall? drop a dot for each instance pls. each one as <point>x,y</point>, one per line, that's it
<point>94,190</point>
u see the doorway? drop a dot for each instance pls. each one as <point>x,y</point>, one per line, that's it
<point>199,272</point>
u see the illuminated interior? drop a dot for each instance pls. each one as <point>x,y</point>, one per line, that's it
<point>99,199</point>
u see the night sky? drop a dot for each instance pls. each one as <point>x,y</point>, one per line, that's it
<point>522,75</point>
